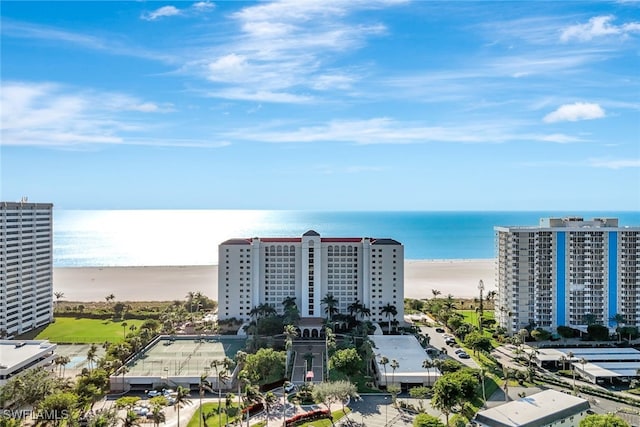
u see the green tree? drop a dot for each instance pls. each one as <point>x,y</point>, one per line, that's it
<point>394,365</point>
<point>384,361</point>
<point>478,342</point>
<point>181,399</point>
<point>603,420</point>
<point>565,331</point>
<point>390,311</point>
<point>446,395</point>
<point>330,306</point>
<point>131,419</point>
<point>105,418</point>
<point>203,386</point>
<point>426,420</point>
<point>347,361</point>
<point>265,366</point>
<point>58,406</point>
<point>420,393</point>
<point>28,388</point>
<point>598,332</point>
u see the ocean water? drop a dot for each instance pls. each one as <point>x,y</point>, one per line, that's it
<point>191,237</point>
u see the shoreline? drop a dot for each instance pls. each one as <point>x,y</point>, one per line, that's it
<point>459,277</point>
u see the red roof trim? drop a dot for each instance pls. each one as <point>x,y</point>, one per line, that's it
<point>281,239</point>
<point>341,239</point>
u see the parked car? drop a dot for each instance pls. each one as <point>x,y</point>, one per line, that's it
<point>154,393</point>
<point>463,355</point>
<point>289,387</point>
<point>440,330</point>
<point>458,351</point>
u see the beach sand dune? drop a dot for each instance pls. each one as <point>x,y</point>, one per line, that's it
<point>457,277</point>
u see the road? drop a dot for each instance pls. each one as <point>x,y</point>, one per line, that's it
<point>437,341</point>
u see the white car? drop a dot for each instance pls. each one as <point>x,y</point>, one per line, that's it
<point>289,387</point>
<point>154,393</point>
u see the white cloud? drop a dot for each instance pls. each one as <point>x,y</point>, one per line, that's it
<point>46,114</point>
<point>203,5</point>
<point>282,49</point>
<point>615,164</point>
<point>575,112</point>
<point>161,12</point>
<point>598,26</point>
<point>561,138</point>
<point>383,130</point>
<point>113,44</point>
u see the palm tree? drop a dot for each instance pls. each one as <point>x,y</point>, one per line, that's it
<point>617,319</point>
<point>124,329</point>
<point>92,355</point>
<point>59,296</point>
<point>181,399</point>
<point>269,400</point>
<point>570,356</point>
<point>330,303</point>
<point>365,311</point>
<point>583,362</point>
<point>435,293</point>
<point>428,364</point>
<point>157,415</point>
<point>131,419</point>
<point>449,303</point>
<point>354,307</point>
<point>190,296</point>
<point>228,403</point>
<point>203,386</point>
<point>384,361</point>
<point>389,310</point>
<point>589,319</point>
<point>394,365</point>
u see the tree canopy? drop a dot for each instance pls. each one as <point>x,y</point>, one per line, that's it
<point>265,366</point>
<point>604,420</point>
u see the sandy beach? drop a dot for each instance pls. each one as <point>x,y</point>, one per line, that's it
<point>457,277</point>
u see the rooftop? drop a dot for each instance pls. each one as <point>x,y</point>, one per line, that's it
<point>15,353</point>
<point>536,410</point>
<point>407,351</point>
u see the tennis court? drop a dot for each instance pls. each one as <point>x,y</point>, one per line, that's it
<point>183,357</point>
<point>77,354</point>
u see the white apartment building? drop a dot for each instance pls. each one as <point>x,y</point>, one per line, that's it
<point>26,274</point>
<point>268,270</point>
<point>567,272</point>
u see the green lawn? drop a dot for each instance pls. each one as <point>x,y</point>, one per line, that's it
<point>210,411</point>
<point>85,331</point>
<point>470,316</point>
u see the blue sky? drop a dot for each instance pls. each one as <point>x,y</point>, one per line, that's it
<point>331,105</point>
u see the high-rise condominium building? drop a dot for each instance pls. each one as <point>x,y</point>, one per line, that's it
<point>267,270</point>
<point>26,280</point>
<point>567,272</point>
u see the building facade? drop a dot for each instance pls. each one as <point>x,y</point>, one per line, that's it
<point>26,273</point>
<point>567,272</point>
<point>270,270</point>
<point>547,408</point>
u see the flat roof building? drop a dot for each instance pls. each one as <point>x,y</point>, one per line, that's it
<point>547,408</point>
<point>407,351</point>
<point>18,356</point>
<point>567,272</point>
<point>26,261</point>
<point>270,270</point>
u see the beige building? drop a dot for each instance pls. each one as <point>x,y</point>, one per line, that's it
<point>546,408</point>
<point>268,270</point>
<point>567,272</point>
<point>26,258</point>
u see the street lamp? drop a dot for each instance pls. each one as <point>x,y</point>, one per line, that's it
<point>480,288</point>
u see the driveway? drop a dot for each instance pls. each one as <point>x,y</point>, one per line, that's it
<point>437,342</point>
